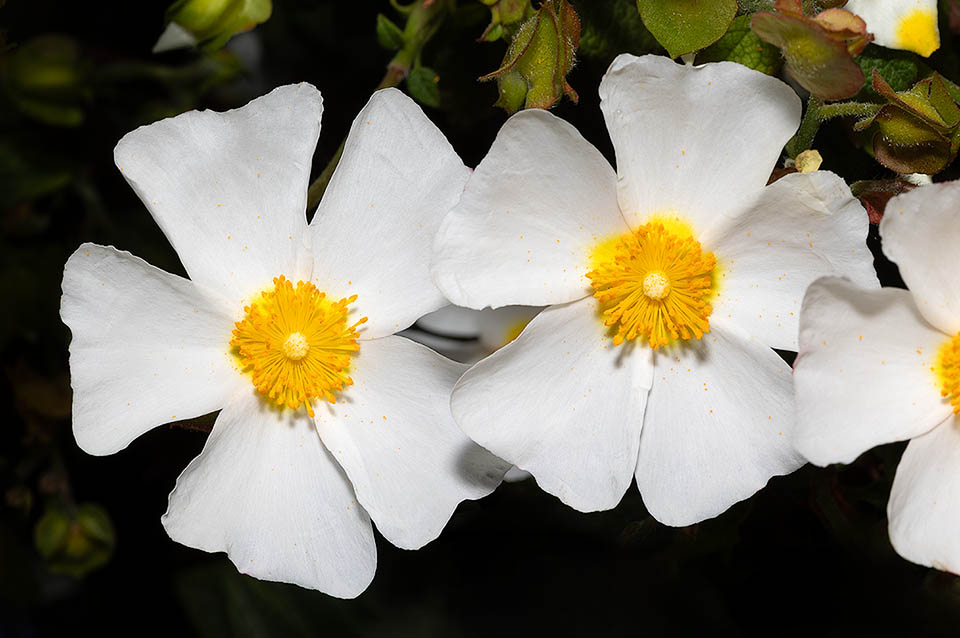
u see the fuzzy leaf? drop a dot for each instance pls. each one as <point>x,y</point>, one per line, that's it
<point>740,44</point>
<point>684,26</point>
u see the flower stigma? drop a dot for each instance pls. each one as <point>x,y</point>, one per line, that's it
<point>296,343</point>
<point>654,283</point>
<point>948,371</point>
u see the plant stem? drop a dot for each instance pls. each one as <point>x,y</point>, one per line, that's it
<point>808,128</point>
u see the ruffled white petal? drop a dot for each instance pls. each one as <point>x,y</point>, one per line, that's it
<point>529,218</point>
<point>921,232</point>
<point>373,231</point>
<point>900,24</point>
<point>393,433</point>
<point>924,507</point>
<point>229,190</point>
<point>717,425</point>
<point>694,142</point>
<point>801,227</point>
<point>265,491</point>
<point>562,402</point>
<point>863,375</point>
<point>147,347</point>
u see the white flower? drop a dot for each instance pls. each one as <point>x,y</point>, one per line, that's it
<point>900,24</point>
<point>229,191</point>
<point>544,219</point>
<point>877,366</point>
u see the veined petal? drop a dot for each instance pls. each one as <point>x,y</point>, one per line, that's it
<point>229,190</point>
<point>265,491</point>
<point>801,227</point>
<point>393,433</point>
<point>372,233</point>
<point>694,142</point>
<point>562,402</point>
<point>718,425</point>
<point>530,216</point>
<point>900,24</point>
<point>924,507</point>
<point>921,232</point>
<point>148,347</point>
<point>863,374</point>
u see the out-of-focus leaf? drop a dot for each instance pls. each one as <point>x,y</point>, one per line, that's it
<point>684,26</point>
<point>423,86</point>
<point>75,543</point>
<point>389,35</point>
<point>740,44</point>
<point>46,79</point>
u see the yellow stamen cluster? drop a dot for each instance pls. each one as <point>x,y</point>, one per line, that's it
<point>297,344</point>
<point>948,368</point>
<point>654,283</point>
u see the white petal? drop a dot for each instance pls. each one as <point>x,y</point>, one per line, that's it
<point>863,374</point>
<point>374,228</point>
<point>529,218</point>
<point>500,326</point>
<point>174,37</point>
<point>148,348</point>
<point>265,491</point>
<point>693,141</point>
<point>393,433</point>
<point>452,321</point>
<point>229,189</point>
<point>921,232</point>
<point>900,24</point>
<point>801,227</point>
<point>717,426</point>
<point>563,403</point>
<point>924,507</point>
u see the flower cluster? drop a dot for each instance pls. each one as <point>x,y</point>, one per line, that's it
<point>668,282</point>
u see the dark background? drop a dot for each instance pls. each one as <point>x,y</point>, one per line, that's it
<point>807,555</point>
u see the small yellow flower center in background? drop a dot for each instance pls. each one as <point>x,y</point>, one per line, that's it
<point>917,32</point>
<point>297,343</point>
<point>654,283</point>
<point>948,371</point>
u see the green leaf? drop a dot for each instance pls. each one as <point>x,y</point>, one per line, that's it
<point>422,83</point>
<point>50,533</point>
<point>740,44</point>
<point>899,72</point>
<point>684,26</point>
<point>389,35</point>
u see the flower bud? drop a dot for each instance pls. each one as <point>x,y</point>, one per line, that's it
<point>209,24</point>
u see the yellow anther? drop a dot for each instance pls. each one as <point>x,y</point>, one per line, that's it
<point>654,283</point>
<point>948,372</point>
<point>297,344</point>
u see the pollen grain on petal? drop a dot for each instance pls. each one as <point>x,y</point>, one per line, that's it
<point>654,283</point>
<point>297,344</point>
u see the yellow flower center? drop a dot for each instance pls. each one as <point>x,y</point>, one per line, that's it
<point>948,371</point>
<point>297,344</point>
<point>917,32</point>
<point>654,283</point>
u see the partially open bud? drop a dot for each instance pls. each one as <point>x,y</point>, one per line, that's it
<point>918,130</point>
<point>819,50</point>
<point>209,24</point>
<point>534,71</point>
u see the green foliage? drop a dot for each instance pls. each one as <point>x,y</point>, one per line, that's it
<point>533,73</point>
<point>506,16</point>
<point>685,26</point>
<point>75,542</point>
<point>740,44</point>
<point>613,27</point>
<point>422,83</point>
<point>47,80</point>
<point>389,35</point>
